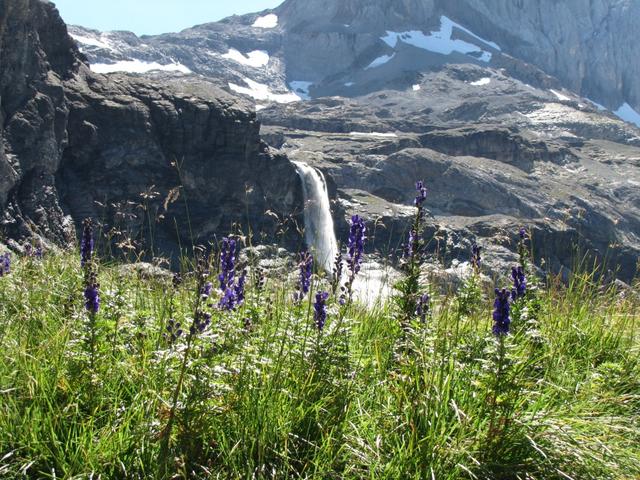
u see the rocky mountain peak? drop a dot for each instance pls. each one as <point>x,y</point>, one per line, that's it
<point>361,15</point>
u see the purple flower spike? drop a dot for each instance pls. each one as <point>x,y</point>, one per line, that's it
<point>409,247</point>
<point>92,298</point>
<point>306,270</point>
<point>227,263</point>
<point>86,243</point>
<point>519,282</point>
<point>422,307</point>
<point>5,265</point>
<point>238,290</point>
<point>522,233</point>
<point>422,194</point>
<point>320,309</point>
<point>501,312</point>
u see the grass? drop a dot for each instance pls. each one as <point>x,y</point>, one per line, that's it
<point>266,395</point>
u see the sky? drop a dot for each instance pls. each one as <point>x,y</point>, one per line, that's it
<point>153,16</point>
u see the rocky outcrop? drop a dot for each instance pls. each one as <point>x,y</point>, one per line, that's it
<point>167,161</point>
<point>495,155</point>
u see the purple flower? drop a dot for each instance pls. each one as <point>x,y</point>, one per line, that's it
<point>92,297</point>
<point>337,268</point>
<point>232,290</point>
<point>306,269</point>
<point>228,300</point>
<point>200,323</point>
<point>176,281</point>
<point>422,307</point>
<point>5,264</point>
<point>411,244</point>
<point>522,233</point>
<point>422,194</point>
<point>501,312</point>
<point>206,290</point>
<point>86,243</point>
<point>320,309</point>
<point>476,258</point>
<point>227,263</point>
<point>356,245</point>
<point>238,290</point>
<point>174,331</point>
<point>519,282</point>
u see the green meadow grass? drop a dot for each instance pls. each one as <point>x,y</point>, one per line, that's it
<point>266,395</point>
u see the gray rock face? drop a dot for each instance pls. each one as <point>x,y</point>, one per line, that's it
<point>484,100</point>
<point>494,156</point>
<point>162,160</point>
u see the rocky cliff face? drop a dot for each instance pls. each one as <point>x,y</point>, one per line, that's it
<point>162,159</point>
<point>482,100</point>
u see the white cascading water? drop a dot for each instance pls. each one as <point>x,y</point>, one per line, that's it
<point>318,222</point>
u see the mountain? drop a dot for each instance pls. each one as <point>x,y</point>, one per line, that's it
<point>126,151</point>
<point>515,113</point>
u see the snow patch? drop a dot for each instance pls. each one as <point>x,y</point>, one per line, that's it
<point>441,42</point>
<point>301,88</point>
<point>260,107</point>
<point>415,87</point>
<point>256,58</point>
<point>482,81</point>
<point>260,91</point>
<point>94,42</point>
<point>266,21</point>
<point>137,66</point>
<point>628,114</point>
<point>380,61</point>
<point>373,134</point>
<point>349,84</point>
<point>559,95</point>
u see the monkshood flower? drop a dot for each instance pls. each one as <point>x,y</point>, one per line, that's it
<point>174,331</point>
<point>86,243</point>
<point>205,291</point>
<point>200,323</point>
<point>522,233</point>
<point>29,251</point>
<point>233,296</point>
<point>5,264</point>
<point>305,267</point>
<point>227,263</point>
<point>337,268</point>
<point>409,248</point>
<point>238,290</point>
<point>422,194</point>
<point>356,245</point>
<point>476,257</point>
<point>422,307</point>
<point>228,300</point>
<point>92,296</point>
<point>501,312</point>
<point>320,309</point>
<point>519,283</point>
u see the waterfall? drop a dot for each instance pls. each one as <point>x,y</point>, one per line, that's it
<point>318,223</point>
